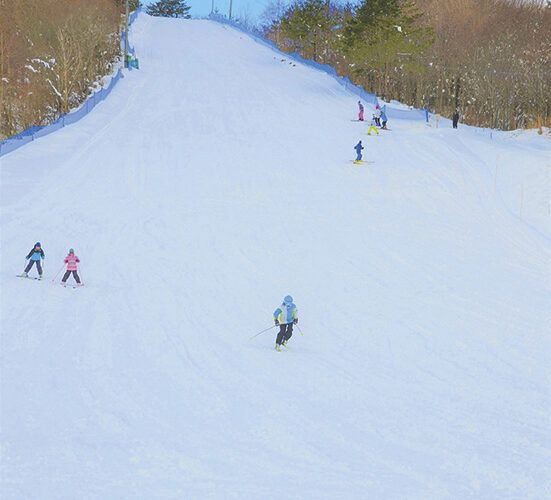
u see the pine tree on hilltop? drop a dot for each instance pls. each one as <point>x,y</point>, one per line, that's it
<point>169,8</point>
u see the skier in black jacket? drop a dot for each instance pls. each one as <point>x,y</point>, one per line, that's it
<point>455,119</point>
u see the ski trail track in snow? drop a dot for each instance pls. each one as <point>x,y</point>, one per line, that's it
<point>210,184</point>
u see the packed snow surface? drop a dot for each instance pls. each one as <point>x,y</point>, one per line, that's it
<point>213,182</point>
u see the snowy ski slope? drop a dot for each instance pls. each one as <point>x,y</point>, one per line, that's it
<point>211,183</point>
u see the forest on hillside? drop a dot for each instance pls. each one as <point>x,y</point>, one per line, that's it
<point>488,59</point>
<point>53,54</point>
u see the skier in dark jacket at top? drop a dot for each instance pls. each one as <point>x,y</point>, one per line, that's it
<point>34,256</point>
<point>358,147</point>
<point>384,117</point>
<point>360,111</point>
<point>455,119</point>
<point>377,116</point>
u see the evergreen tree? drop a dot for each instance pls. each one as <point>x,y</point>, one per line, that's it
<point>310,25</point>
<point>169,8</point>
<point>384,33</point>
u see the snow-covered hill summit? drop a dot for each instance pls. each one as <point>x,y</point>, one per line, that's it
<point>212,183</point>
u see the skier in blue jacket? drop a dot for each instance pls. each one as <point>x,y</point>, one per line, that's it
<point>285,316</point>
<point>384,117</point>
<point>33,257</point>
<point>358,147</point>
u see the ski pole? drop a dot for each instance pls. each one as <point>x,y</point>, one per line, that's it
<point>80,274</point>
<point>60,269</point>
<point>302,334</point>
<point>250,338</point>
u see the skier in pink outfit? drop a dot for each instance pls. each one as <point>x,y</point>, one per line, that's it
<point>71,260</point>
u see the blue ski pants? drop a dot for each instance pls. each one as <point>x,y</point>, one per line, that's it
<point>30,265</point>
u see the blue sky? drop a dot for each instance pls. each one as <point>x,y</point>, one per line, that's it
<point>239,7</point>
<point>252,8</point>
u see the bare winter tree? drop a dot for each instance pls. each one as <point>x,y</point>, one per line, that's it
<point>52,53</point>
<point>270,17</point>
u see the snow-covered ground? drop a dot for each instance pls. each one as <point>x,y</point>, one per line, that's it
<point>211,183</point>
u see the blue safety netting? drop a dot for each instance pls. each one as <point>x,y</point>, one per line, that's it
<point>12,143</point>
<point>34,132</point>
<point>405,114</point>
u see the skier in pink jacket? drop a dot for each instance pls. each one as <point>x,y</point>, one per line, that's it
<point>71,260</point>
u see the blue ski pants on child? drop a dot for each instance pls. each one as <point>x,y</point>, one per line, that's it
<point>30,265</point>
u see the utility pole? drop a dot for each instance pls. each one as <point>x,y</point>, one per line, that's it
<point>230,8</point>
<point>126,36</point>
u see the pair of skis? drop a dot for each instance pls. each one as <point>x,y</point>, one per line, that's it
<point>39,278</point>
<point>77,285</point>
<point>282,347</point>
